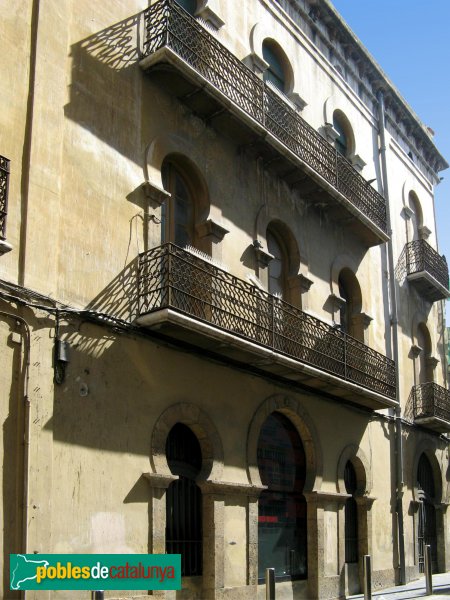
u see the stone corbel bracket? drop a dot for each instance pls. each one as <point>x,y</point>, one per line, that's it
<point>212,230</point>
<point>5,247</point>
<point>154,193</point>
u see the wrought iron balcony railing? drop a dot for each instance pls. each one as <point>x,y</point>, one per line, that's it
<point>168,25</point>
<point>170,277</point>
<point>4,185</point>
<point>423,258</point>
<point>431,401</point>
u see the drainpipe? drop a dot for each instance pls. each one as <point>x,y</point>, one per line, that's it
<point>26,428</point>
<point>395,352</point>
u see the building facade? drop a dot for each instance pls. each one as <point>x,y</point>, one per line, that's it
<point>221,307</point>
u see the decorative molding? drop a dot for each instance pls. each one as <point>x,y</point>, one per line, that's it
<point>329,132</point>
<point>212,229</point>
<point>297,100</point>
<point>256,63</point>
<point>407,212</point>
<point>432,362</point>
<point>363,319</point>
<point>415,351</point>
<point>326,497</point>
<point>159,480</point>
<point>357,162</point>
<point>155,193</point>
<point>262,256</point>
<point>424,232</point>
<point>229,487</point>
<point>5,247</point>
<point>366,501</point>
<point>303,282</point>
<point>336,302</point>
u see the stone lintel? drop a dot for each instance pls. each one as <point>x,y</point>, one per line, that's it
<point>229,487</point>
<point>321,498</point>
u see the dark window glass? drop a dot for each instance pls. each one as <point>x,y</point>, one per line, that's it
<point>184,500</point>
<point>351,515</point>
<point>341,143</point>
<point>345,309</point>
<point>282,519</point>
<point>178,217</point>
<point>189,5</point>
<point>275,72</point>
<point>277,266</point>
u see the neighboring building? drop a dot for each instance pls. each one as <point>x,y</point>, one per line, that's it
<point>448,356</point>
<point>221,309</point>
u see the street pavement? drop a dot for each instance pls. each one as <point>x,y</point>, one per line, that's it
<point>414,589</point>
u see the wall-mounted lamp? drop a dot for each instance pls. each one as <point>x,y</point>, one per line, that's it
<point>61,360</point>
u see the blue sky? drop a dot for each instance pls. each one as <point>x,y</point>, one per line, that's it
<point>410,40</point>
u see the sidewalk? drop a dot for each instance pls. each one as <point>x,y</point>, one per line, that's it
<point>415,589</point>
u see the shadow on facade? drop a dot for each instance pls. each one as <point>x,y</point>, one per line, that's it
<point>119,298</point>
<point>103,86</point>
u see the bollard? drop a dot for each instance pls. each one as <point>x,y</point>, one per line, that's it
<point>428,572</point>
<point>367,578</point>
<point>270,584</point>
<point>98,595</point>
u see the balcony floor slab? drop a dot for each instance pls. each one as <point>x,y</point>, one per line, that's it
<point>182,327</point>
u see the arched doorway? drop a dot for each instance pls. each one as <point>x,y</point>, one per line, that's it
<point>282,523</point>
<point>351,515</point>
<point>426,527</point>
<point>184,500</point>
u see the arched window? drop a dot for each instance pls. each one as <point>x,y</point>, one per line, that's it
<point>189,5</point>
<point>184,500</point>
<point>351,515</point>
<point>282,541</point>
<point>416,216</point>
<point>178,215</point>
<point>426,530</point>
<point>426,371</point>
<point>275,72</point>
<point>344,143</point>
<point>350,291</point>
<point>277,266</point>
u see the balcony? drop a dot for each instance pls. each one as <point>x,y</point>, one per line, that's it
<point>190,299</point>
<point>190,63</point>
<point>427,270</point>
<point>431,406</point>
